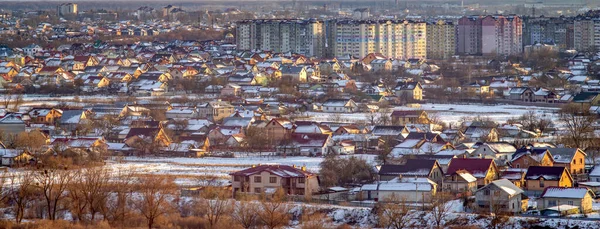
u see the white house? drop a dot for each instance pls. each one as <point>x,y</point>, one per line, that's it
<point>339,106</point>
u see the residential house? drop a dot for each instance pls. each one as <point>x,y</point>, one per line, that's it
<point>137,136</point>
<point>573,159</point>
<point>501,152</point>
<point>526,157</point>
<point>305,145</point>
<point>12,123</point>
<point>44,115</point>
<point>580,197</point>
<point>484,170</point>
<point>501,196</point>
<point>404,117</point>
<point>339,106</point>
<point>215,110</point>
<point>278,129</point>
<point>460,182</point>
<point>14,157</point>
<point>538,178</point>
<point>408,92</point>
<point>269,178</point>
<point>413,168</point>
<point>521,93</point>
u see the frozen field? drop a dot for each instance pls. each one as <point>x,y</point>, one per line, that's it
<point>190,171</point>
<point>449,113</point>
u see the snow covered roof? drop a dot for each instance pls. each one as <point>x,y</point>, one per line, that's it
<point>506,186</point>
<point>402,184</point>
<point>560,192</point>
<point>277,170</point>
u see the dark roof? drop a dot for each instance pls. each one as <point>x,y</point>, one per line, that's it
<point>404,113</point>
<point>277,170</point>
<point>150,132</point>
<point>387,130</point>
<point>475,166</point>
<point>411,167</point>
<point>427,136</point>
<point>547,172</point>
<point>585,97</point>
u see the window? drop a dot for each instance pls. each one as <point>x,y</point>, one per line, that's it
<point>541,182</point>
<point>272,180</point>
<point>301,180</point>
<point>257,179</point>
<point>551,203</point>
<point>570,202</point>
<point>486,192</point>
<point>257,190</point>
<point>580,160</point>
<point>236,178</point>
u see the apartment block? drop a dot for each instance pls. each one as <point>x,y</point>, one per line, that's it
<point>501,35</point>
<point>489,35</point>
<point>67,9</point>
<point>468,35</point>
<point>441,39</point>
<point>396,39</point>
<point>305,37</point>
<point>547,30</point>
<point>586,32</point>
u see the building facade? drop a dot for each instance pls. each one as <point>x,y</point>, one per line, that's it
<point>441,39</point>
<point>67,9</point>
<point>305,37</point>
<point>586,31</point>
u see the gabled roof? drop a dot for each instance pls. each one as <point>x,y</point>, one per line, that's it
<point>506,186</point>
<point>476,166</point>
<point>285,171</point>
<point>563,155</point>
<point>546,172</point>
<point>412,167</point>
<point>567,193</point>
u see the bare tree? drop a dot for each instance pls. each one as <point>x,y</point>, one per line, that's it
<point>53,184</point>
<point>394,213</point>
<point>244,212</point>
<point>578,123</point>
<point>94,187</point>
<point>440,208</point>
<point>21,193</point>
<point>155,197</point>
<point>273,211</point>
<point>120,206</point>
<point>217,203</point>
<point>31,141</point>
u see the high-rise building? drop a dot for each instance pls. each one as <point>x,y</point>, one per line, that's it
<point>468,35</point>
<point>65,9</point>
<point>489,35</point>
<point>586,33</point>
<point>545,30</point>
<point>441,41</point>
<point>501,35</point>
<point>305,37</point>
<point>397,39</point>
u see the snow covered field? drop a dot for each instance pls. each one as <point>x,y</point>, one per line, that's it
<point>192,171</point>
<point>450,113</point>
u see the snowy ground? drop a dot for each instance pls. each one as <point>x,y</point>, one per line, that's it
<point>449,113</point>
<point>191,171</point>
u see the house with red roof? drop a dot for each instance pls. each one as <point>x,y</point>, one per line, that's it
<point>484,170</point>
<point>268,178</point>
<point>306,144</point>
